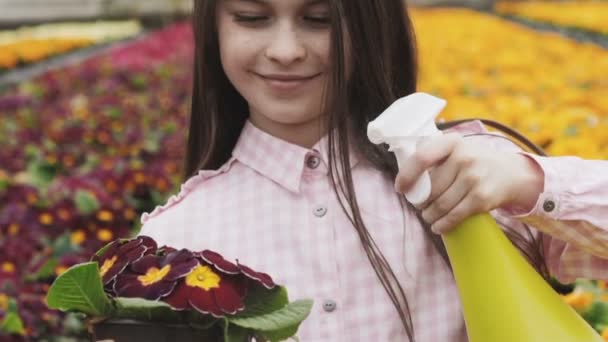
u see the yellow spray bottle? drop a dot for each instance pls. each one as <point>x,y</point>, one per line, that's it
<point>504,299</point>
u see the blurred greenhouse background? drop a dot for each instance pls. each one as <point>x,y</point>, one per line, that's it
<point>93,91</point>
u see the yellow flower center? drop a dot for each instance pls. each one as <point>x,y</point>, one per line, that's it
<point>129,214</point>
<point>140,178</point>
<point>162,184</point>
<point>59,270</point>
<point>13,229</point>
<point>107,265</point>
<point>77,237</point>
<point>46,219</point>
<point>154,275</point>
<point>111,185</point>
<point>118,203</point>
<point>104,235</point>
<point>8,267</point>
<point>64,214</point>
<point>51,159</point>
<point>69,161</point>
<point>105,216</point>
<point>203,277</point>
<point>3,302</point>
<point>31,198</point>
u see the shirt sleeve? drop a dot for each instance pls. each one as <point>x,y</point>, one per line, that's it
<point>570,215</point>
<point>572,211</point>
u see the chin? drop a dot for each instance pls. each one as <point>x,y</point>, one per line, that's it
<point>289,115</point>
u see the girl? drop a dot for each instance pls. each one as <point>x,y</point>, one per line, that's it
<point>280,173</point>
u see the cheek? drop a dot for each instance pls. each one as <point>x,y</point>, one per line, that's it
<point>320,47</point>
<point>237,51</point>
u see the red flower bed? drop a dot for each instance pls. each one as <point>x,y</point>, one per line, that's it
<point>86,150</point>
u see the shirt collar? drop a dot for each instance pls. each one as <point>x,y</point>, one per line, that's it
<point>277,159</point>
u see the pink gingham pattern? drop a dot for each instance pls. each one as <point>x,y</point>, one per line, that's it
<point>271,206</point>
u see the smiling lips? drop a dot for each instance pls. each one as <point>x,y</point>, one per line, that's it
<point>286,82</point>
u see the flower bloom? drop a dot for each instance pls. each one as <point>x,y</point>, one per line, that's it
<point>120,254</point>
<point>215,286</point>
<point>579,300</point>
<point>154,276</point>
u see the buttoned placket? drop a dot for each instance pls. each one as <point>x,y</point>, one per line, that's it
<point>316,188</point>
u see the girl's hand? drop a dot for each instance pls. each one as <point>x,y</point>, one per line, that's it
<point>469,178</point>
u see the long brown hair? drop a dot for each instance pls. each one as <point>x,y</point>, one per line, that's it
<point>384,68</point>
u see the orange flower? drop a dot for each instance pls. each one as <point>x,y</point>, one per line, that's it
<point>579,300</point>
<point>605,334</point>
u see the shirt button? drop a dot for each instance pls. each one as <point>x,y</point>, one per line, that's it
<point>313,162</point>
<point>548,206</point>
<point>320,211</point>
<point>329,306</point>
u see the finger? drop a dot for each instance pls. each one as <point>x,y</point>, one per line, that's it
<point>446,202</point>
<point>442,177</point>
<point>430,152</point>
<point>468,207</point>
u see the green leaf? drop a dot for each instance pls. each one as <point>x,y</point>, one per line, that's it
<point>12,324</point>
<point>139,81</point>
<point>31,151</point>
<point>113,112</point>
<point>264,304</point>
<point>92,161</point>
<point>157,197</point>
<point>234,333</point>
<point>280,335</point>
<point>41,173</point>
<point>146,310</point>
<point>285,318</point>
<point>169,128</point>
<point>152,143</point>
<point>12,305</point>
<point>74,324</point>
<point>63,245</point>
<point>598,313</point>
<point>86,202</point>
<point>103,249</point>
<point>261,301</point>
<point>46,271</point>
<point>4,184</point>
<point>80,289</point>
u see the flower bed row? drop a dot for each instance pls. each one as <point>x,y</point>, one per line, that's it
<point>550,88</point>
<point>29,45</point>
<point>75,144</point>
<point>589,16</point>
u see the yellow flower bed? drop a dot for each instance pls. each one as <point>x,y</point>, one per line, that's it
<point>34,50</point>
<point>592,16</point>
<point>32,44</point>
<point>552,89</point>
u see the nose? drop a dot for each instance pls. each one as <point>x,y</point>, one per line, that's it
<point>285,46</point>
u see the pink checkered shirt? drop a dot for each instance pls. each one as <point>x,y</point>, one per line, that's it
<point>271,206</point>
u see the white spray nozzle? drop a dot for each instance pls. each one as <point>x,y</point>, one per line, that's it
<point>400,126</point>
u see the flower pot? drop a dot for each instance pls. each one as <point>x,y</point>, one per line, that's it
<point>124,330</point>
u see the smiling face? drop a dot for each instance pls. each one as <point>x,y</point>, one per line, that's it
<point>276,53</point>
